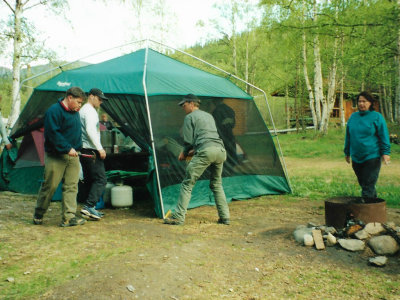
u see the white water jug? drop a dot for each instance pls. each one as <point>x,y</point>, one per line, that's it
<point>121,196</point>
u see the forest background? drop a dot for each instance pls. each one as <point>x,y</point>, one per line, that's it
<point>310,53</point>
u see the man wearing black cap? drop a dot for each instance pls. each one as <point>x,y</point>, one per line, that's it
<point>200,137</point>
<point>94,174</point>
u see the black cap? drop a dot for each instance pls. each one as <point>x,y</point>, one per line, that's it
<point>98,93</point>
<point>189,98</point>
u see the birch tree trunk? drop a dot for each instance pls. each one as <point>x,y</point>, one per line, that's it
<point>318,83</point>
<point>308,84</point>
<point>287,106</point>
<point>246,72</point>
<point>331,97</point>
<point>341,102</point>
<point>311,97</point>
<point>16,99</point>
<point>388,103</point>
<point>382,102</point>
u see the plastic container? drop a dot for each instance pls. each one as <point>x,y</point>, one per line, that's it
<point>121,196</point>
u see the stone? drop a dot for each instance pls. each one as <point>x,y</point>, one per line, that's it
<point>352,244</point>
<point>383,245</point>
<point>391,225</point>
<point>330,229</point>
<point>319,242</point>
<point>330,240</point>
<point>362,234</point>
<point>130,288</point>
<point>308,240</point>
<point>300,232</point>
<point>374,228</point>
<point>379,261</point>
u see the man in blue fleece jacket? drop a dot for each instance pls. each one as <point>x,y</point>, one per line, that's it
<point>367,143</point>
<point>62,133</point>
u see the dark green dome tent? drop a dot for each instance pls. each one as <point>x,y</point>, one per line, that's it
<point>144,88</point>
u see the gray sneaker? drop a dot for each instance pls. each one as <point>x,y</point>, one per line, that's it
<point>172,221</point>
<point>91,212</point>
<point>73,222</point>
<point>224,221</point>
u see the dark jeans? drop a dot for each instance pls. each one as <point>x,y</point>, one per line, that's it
<point>94,178</point>
<point>367,174</point>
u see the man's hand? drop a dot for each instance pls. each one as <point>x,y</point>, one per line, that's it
<point>102,153</point>
<point>181,156</point>
<point>9,146</point>
<point>72,152</point>
<point>347,159</point>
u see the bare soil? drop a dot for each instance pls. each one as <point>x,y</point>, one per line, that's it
<point>255,257</point>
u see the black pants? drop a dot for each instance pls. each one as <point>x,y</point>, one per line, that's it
<point>94,178</point>
<point>367,174</point>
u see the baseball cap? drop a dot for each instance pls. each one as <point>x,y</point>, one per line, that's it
<point>189,98</point>
<point>98,93</point>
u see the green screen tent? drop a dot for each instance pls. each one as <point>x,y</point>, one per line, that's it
<point>144,88</point>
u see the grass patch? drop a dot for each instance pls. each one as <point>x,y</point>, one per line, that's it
<point>323,172</point>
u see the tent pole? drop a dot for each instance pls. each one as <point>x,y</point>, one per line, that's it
<point>249,84</point>
<point>151,130</point>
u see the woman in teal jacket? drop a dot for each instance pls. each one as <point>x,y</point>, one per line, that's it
<point>367,144</point>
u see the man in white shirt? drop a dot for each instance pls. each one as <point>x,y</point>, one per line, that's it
<point>94,175</point>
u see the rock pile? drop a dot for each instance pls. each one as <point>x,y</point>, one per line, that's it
<point>382,239</point>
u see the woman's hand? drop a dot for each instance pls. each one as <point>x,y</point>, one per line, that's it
<point>386,159</point>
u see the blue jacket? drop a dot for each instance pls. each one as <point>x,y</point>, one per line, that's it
<point>367,136</point>
<point>62,130</point>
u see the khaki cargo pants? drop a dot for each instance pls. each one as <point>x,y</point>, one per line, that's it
<point>58,167</point>
<point>212,157</point>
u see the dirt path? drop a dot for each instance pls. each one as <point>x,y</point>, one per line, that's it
<point>254,258</point>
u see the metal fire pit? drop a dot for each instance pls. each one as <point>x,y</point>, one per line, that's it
<point>367,210</point>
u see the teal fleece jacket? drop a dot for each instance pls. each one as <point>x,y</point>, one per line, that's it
<point>367,136</point>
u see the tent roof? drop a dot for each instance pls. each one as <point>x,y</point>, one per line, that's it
<point>164,76</point>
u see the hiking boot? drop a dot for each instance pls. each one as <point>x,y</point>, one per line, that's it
<point>224,221</point>
<point>91,212</point>
<point>73,222</point>
<point>172,221</point>
<point>37,220</point>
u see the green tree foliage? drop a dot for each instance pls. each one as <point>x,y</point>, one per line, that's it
<point>366,34</point>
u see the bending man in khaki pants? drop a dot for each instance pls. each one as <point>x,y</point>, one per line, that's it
<point>200,137</point>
